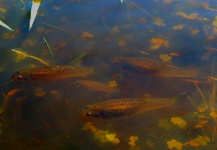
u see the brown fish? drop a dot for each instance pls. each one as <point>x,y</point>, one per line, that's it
<point>51,73</point>
<point>150,68</point>
<point>123,108</point>
<point>96,86</point>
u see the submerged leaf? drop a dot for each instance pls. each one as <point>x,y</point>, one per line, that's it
<point>132,141</point>
<point>178,121</point>
<point>173,144</point>
<point>199,141</point>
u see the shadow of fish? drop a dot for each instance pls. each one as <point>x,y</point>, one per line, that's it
<point>51,73</point>
<point>150,68</point>
<point>128,107</point>
<point>93,85</point>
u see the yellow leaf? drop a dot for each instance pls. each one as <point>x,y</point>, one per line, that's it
<point>132,141</point>
<point>154,47</point>
<point>159,21</point>
<point>165,58</point>
<point>112,83</point>
<point>173,144</point>
<point>178,121</point>
<point>112,138</point>
<point>199,141</point>
<point>155,41</point>
<point>214,23</point>
<point>87,35</point>
<point>202,108</point>
<point>213,114</point>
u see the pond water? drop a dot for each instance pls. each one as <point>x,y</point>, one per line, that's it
<point>139,49</point>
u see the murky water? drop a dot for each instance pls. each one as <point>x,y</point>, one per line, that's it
<point>46,115</point>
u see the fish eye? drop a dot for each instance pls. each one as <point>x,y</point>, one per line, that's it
<point>88,114</point>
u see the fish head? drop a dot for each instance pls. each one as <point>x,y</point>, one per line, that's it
<point>18,76</point>
<point>91,112</point>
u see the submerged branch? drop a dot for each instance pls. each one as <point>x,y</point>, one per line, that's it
<point>30,56</point>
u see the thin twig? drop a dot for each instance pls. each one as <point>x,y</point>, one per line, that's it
<point>51,54</point>
<point>30,56</point>
<point>201,93</point>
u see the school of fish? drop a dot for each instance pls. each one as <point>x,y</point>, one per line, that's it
<point>116,108</point>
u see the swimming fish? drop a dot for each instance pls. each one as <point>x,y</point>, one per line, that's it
<point>96,86</point>
<point>51,73</point>
<point>150,68</point>
<point>127,107</point>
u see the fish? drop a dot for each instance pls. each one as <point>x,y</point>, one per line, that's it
<point>126,107</point>
<point>51,73</point>
<point>94,85</point>
<point>150,68</point>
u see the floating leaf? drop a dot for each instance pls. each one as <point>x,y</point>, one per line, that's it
<point>165,58</point>
<point>184,15</point>
<point>178,121</point>
<point>195,32</point>
<point>178,27</point>
<point>154,47</point>
<point>176,54</point>
<point>87,35</point>
<point>157,41</point>
<point>173,144</point>
<point>159,21</point>
<point>112,83</point>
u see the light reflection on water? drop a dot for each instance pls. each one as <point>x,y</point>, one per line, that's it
<point>48,118</point>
